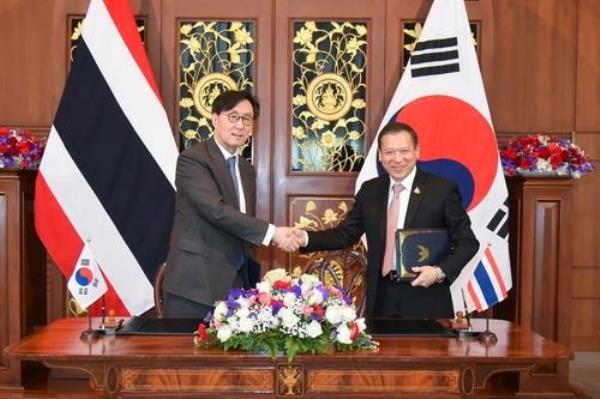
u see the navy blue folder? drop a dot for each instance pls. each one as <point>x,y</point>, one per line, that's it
<point>418,247</point>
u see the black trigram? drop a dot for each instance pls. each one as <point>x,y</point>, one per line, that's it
<point>500,219</point>
<point>443,53</point>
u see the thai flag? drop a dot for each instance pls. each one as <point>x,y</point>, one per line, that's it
<point>441,95</point>
<point>109,167</point>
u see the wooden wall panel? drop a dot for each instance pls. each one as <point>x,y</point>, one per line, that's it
<point>32,50</point>
<point>585,324</point>
<point>588,67</point>
<point>532,85</point>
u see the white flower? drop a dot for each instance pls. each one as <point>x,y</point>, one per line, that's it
<point>220,311</point>
<point>309,281</point>
<point>244,302</point>
<point>543,165</point>
<point>243,313</point>
<point>315,297</point>
<point>348,313</point>
<point>362,326</point>
<point>263,286</point>
<point>288,318</point>
<point>333,314</point>
<point>314,329</point>
<point>224,333</point>
<point>343,334</point>
<point>288,299</point>
<point>276,275</point>
<point>246,325</point>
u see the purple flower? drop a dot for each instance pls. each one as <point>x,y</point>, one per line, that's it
<point>324,291</point>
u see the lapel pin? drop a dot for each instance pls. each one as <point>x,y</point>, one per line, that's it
<point>417,191</point>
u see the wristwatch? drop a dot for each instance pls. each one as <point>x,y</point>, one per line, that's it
<point>440,274</point>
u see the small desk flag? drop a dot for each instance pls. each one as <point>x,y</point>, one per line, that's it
<point>86,284</point>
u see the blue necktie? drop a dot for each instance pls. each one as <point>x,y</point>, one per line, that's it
<point>231,167</point>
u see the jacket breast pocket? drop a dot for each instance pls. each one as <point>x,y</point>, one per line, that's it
<point>198,247</point>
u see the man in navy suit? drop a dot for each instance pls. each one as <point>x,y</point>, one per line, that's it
<point>416,199</point>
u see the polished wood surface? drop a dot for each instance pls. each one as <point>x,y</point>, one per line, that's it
<point>425,367</point>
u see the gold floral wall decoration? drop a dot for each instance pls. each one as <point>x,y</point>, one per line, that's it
<point>76,26</point>
<point>314,214</point>
<point>328,96</point>
<point>411,31</point>
<point>214,56</point>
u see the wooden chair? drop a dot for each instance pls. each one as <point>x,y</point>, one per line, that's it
<point>345,269</point>
<point>158,291</point>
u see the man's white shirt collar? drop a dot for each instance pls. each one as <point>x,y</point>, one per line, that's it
<point>407,182</point>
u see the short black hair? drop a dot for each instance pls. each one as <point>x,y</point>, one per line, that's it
<point>230,98</point>
<point>397,127</point>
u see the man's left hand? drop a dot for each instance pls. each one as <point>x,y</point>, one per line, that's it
<point>427,276</point>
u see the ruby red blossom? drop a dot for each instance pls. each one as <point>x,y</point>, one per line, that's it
<point>19,149</point>
<point>282,285</point>
<point>544,154</point>
<point>202,333</point>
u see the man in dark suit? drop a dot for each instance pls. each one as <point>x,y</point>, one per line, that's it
<point>215,230</point>
<point>415,199</point>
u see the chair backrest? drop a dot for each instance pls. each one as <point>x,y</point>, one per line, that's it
<point>158,291</point>
<point>345,269</point>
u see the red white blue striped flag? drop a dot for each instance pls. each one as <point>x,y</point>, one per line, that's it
<point>441,95</point>
<point>108,170</point>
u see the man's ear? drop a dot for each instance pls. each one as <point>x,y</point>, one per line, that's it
<point>214,119</point>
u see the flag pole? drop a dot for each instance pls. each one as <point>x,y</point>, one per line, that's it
<point>488,337</point>
<point>90,333</point>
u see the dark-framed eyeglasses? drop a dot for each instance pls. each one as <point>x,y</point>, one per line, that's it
<point>234,118</point>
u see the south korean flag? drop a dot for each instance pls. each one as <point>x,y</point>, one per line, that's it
<point>441,95</point>
<point>86,284</point>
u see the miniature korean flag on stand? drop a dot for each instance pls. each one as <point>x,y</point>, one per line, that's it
<point>86,284</point>
<point>441,95</point>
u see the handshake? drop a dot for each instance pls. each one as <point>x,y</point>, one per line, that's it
<point>289,239</point>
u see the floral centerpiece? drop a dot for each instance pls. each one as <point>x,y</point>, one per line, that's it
<point>544,155</point>
<point>19,149</point>
<point>286,314</point>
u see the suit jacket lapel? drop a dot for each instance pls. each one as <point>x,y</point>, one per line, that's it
<point>220,167</point>
<point>381,210</point>
<point>247,184</point>
<point>415,198</point>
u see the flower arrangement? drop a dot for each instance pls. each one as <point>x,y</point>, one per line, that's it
<point>542,154</point>
<point>19,149</point>
<point>286,314</point>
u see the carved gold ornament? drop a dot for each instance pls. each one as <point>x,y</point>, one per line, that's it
<point>214,56</point>
<point>290,379</point>
<point>329,97</point>
<point>208,88</point>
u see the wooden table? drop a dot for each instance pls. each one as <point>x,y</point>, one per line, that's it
<point>168,366</point>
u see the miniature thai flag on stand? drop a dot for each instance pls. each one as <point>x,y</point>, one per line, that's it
<point>441,95</point>
<point>86,284</point>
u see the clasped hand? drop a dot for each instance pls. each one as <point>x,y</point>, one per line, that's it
<point>289,239</point>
